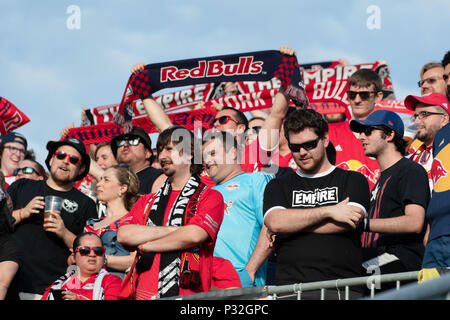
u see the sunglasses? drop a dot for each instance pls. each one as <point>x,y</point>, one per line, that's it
<point>131,141</point>
<point>85,250</point>
<point>423,114</point>
<point>364,95</point>
<point>223,120</point>
<point>61,155</point>
<point>309,145</point>
<point>431,80</point>
<point>368,130</point>
<point>25,170</point>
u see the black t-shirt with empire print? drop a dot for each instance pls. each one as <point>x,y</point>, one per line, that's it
<point>306,256</point>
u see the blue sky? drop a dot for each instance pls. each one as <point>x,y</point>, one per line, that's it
<point>49,70</point>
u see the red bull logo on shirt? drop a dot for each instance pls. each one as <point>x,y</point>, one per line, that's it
<point>439,170</point>
<point>355,165</point>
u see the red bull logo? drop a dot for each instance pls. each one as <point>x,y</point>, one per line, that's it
<point>355,165</point>
<point>212,68</point>
<point>439,170</point>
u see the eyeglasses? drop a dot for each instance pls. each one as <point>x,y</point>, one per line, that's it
<point>85,250</point>
<point>25,170</point>
<point>368,130</point>
<point>14,149</point>
<point>131,141</point>
<point>61,155</point>
<point>431,80</point>
<point>423,114</point>
<point>256,129</point>
<point>364,95</point>
<point>223,120</point>
<point>309,145</point>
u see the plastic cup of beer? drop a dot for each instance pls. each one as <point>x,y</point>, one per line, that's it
<point>53,205</point>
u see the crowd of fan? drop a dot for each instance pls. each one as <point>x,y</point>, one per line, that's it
<point>142,223</point>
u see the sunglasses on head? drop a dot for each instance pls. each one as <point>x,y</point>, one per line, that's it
<point>25,170</point>
<point>223,120</point>
<point>131,141</point>
<point>309,145</point>
<point>364,95</point>
<point>85,250</point>
<point>61,155</point>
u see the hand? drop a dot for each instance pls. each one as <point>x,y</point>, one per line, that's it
<point>69,295</point>
<point>65,131</point>
<point>347,214</point>
<point>34,206</point>
<point>55,224</point>
<point>138,67</point>
<point>288,51</point>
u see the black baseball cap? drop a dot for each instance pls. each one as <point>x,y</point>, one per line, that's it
<point>14,137</point>
<point>52,146</point>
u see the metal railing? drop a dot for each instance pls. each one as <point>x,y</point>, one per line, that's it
<point>277,292</point>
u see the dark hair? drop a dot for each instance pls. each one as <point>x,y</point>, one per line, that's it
<point>301,119</point>
<point>126,176</point>
<point>365,78</point>
<point>39,168</point>
<point>446,59</point>
<point>77,240</point>
<point>398,141</point>
<point>176,135</point>
<point>227,139</point>
<point>240,116</point>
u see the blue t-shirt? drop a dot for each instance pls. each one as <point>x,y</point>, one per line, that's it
<point>438,211</point>
<point>242,222</point>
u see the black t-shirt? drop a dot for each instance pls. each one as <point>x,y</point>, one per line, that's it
<point>305,256</point>
<point>406,182</point>
<point>44,254</point>
<point>146,178</point>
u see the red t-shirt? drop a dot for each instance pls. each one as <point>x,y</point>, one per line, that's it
<point>111,285</point>
<point>209,217</point>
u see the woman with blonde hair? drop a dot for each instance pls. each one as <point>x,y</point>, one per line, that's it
<point>118,190</point>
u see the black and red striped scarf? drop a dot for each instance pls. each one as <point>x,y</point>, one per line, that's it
<point>251,66</point>
<point>183,209</point>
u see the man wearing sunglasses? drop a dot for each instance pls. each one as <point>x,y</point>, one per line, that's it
<point>312,215</point>
<point>135,149</point>
<point>433,79</point>
<point>364,92</point>
<point>45,252</point>
<point>394,228</point>
<point>431,113</point>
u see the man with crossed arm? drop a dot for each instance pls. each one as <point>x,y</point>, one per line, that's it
<point>312,215</point>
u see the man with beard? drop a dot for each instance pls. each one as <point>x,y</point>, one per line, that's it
<point>135,149</point>
<point>394,228</point>
<point>174,229</point>
<point>431,113</point>
<point>313,214</point>
<point>46,244</point>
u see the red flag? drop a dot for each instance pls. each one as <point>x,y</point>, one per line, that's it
<point>11,117</point>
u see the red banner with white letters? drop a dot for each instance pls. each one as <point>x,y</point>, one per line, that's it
<point>11,117</point>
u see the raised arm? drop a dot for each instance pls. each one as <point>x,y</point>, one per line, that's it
<point>154,111</point>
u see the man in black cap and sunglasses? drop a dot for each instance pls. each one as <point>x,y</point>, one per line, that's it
<point>394,228</point>
<point>135,149</point>
<point>46,244</point>
<point>312,215</point>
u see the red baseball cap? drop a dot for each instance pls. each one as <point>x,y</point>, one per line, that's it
<point>431,99</point>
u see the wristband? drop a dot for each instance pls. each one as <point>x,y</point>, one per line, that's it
<point>366,223</point>
<point>20,214</point>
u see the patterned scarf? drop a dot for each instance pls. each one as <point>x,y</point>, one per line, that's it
<point>251,66</point>
<point>183,209</point>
